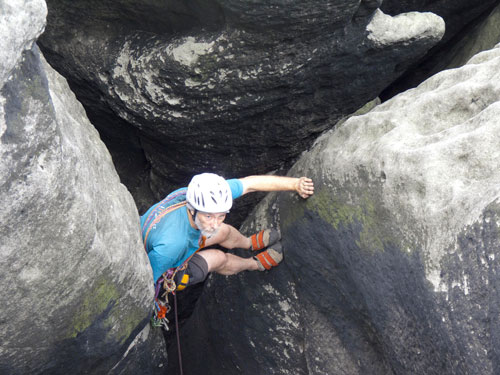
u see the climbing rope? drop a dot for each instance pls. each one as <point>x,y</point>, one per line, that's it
<point>177,334</point>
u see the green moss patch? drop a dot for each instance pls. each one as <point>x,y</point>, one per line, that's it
<point>94,303</point>
<point>367,213</point>
<point>101,305</point>
<point>129,320</point>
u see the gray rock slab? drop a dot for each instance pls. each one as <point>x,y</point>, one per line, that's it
<point>76,286</point>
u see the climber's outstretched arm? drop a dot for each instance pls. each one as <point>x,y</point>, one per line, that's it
<point>303,185</point>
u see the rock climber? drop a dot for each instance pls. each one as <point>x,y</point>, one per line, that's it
<point>192,218</point>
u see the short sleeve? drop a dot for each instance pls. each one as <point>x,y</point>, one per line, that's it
<point>236,187</point>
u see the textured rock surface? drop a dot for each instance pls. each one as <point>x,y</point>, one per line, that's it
<point>392,267</point>
<point>243,90</point>
<point>27,17</point>
<point>75,288</point>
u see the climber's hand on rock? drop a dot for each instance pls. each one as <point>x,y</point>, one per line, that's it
<point>305,187</point>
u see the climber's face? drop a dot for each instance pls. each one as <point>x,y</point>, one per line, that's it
<point>209,223</point>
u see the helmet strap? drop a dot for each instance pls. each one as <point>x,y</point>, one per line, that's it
<point>193,213</point>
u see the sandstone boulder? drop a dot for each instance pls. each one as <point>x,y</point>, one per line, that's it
<point>392,266</point>
<point>75,291</point>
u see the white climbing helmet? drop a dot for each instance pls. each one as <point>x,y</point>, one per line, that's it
<point>208,192</point>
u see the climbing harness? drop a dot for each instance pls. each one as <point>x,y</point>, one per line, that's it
<point>160,305</point>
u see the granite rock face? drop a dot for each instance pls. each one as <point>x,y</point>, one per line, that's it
<point>76,284</point>
<point>392,266</point>
<point>242,90</point>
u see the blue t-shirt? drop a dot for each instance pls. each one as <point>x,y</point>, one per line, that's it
<point>172,240</point>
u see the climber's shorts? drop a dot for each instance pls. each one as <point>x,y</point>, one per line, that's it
<point>196,272</point>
